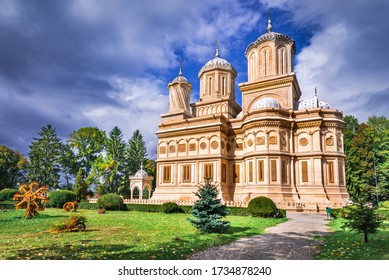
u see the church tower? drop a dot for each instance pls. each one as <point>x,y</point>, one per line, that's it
<point>270,72</point>
<point>217,89</point>
<point>179,99</point>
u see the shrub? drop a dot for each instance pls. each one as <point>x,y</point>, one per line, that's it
<point>59,198</point>
<point>144,207</point>
<point>111,201</point>
<point>262,207</point>
<point>88,206</point>
<point>171,207</point>
<point>8,194</point>
<point>385,204</point>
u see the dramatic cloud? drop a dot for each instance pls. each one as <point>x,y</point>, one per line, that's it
<point>103,63</point>
<point>84,63</point>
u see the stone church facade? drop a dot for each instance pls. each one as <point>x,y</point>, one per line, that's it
<point>274,145</point>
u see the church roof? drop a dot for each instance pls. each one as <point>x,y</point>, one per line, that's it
<point>312,103</point>
<point>271,36</point>
<point>266,102</point>
<point>180,78</point>
<point>141,173</point>
<point>217,63</point>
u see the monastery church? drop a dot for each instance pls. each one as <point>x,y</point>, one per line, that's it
<point>275,145</point>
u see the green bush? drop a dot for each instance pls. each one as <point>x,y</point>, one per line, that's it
<point>8,194</point>
<point>144,207</point>
<point>7,205</point>
<point>335,213</point>
<point>88,206</point>
<point>171,207</point>
<point>385,204</point>
<point>59,198</point>
<point>262,207</point>
<point>111,201</point>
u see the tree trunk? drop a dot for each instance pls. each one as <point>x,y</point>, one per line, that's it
<point>365,233</point>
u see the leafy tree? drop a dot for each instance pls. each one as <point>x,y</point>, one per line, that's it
<point>80,187</point>
<point>12,167</point>
<point>136,152</point>
<point>108,172</point>
<point>366,144</point>
<point>68,162</point>
<point>44,158</point>
<point>208,210</point>
<point>363,218</point>
<point>88,143</point>
<point>378,132</point>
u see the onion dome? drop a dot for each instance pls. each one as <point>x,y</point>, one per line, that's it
<point>312,103</point>
<point>217,63</point>
<point>266,102</point>
<point>141,173</point>
<point>271,36</point>
<point>180,78</point>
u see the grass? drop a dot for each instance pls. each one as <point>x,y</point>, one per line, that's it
<point>115,235</point>
<point>349,245</point>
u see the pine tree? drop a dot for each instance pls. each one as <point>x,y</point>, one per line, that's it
<point>44,158</point>
<point>208,210</point>
<point>136,152</point>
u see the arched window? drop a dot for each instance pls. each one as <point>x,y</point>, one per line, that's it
<point>282,61</point>
<point>209,86</point>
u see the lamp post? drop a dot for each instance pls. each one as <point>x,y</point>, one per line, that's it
<point>375,174</point>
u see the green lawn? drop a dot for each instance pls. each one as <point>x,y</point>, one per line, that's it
<point>349,245</point>
<point>115,235</point>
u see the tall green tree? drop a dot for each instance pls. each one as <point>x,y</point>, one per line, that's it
<point>378,132</point>
<point>68,162</point>
<point>108,171</point>
<point>136,152</point>
<point>13,167</point>
<point>88,142</point>
<point>44,154</point>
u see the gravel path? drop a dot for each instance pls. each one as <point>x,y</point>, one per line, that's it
<point>292,240</point>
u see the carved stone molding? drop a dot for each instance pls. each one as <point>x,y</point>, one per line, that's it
<point>214,145</point>
<point>260,140</point>
<point>273,140</point>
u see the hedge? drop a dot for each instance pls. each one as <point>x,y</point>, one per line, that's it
<point>111,201</point>
<point>8,194</point>
<point>59,198</point>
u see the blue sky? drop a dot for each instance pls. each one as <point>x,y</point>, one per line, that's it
<point>83,63</point>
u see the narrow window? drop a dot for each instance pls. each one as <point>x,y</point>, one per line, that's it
<point>330,167</point>
<point>186,178</point>
<point>209,86</point>
<point>261,173</point>
<point>341,175</point>
<point>284,172</point>
<point>224,173</point>
<point>208,171</point>
<point>223,86</point>
<point>250,171</point>
<point>166,174</point>
<point>236,173</point>
<point>304,171</point>
<point>273,168</point>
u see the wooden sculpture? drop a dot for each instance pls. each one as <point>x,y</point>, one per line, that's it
<point>71,206</point>
<point>30,198</point>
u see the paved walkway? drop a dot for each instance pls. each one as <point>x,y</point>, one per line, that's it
<point>292,240</point>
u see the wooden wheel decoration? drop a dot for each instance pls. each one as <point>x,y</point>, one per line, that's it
<point>71,206</point>
<point>30,198</point>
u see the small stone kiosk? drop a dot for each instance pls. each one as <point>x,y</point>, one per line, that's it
<point>139,182</point>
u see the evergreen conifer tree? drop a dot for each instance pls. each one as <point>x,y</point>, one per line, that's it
<point>208,210</point>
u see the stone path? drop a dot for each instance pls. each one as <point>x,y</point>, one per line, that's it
<point>292,240</point>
